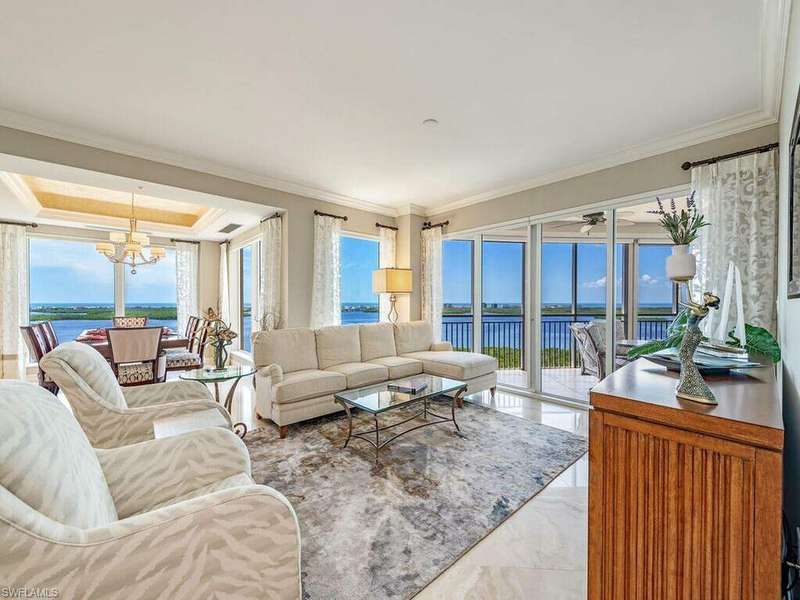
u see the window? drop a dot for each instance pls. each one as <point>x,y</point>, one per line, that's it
<point>152,292</point>
<point>71,285</point>
<point>656,293</point>
<point>248,257</point>
<point>503,278</point>
<point>457,316</point>
<point>359,258</point>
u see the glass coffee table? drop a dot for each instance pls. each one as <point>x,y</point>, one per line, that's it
<point>209,376</point>
<point>378,399</point>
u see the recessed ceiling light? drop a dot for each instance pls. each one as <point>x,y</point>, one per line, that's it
<point>430,122</point>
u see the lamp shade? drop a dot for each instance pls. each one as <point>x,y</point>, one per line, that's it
<point>391,281</point>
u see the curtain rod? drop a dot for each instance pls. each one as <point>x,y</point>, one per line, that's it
<point>322,214</point>
<point>34,225</point>
<point>173,240</point>
<point>392,227</point>
<point>429,225</point>
<point>275,216</point>
<point>710,161</point>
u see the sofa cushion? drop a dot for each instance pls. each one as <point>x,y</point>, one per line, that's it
<point>337,345</point>
<point>360,374</point>
<point>416,336</point>
<point>292,349</point>
<point>456,365</point>
<point>400,366</point>
<point>308,383</point>
<point>48,462</point>
<point>377,341</point>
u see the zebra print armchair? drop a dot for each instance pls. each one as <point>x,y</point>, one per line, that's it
<point>112,415</point>
<point>175,518</point>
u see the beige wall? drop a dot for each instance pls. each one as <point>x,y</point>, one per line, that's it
<point>299,222</point>
<point>641,176</point>
<point>789,310</point>
<point>208,276</point>
<point>409,246</point>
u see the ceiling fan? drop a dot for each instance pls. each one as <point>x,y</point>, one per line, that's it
<point>596,218</point>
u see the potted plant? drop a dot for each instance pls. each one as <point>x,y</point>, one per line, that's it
<point>683,227</point>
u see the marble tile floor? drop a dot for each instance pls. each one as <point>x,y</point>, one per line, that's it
<point>537,553</point>
<point>563,382</point>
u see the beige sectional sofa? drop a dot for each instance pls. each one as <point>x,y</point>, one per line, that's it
<point>299,370</point>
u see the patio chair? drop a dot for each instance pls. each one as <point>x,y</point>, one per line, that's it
<point>136,355</point>
<point>40,340</point>
<point>112,415</point>
<point>178,517</point>
<point>129,322</point>
<point>590,341</point>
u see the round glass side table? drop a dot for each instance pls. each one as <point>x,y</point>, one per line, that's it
<point>209,376</point>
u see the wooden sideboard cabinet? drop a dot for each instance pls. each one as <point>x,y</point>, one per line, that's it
<point>684,498</point>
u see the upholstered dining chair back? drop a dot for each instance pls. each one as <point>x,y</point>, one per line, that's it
<point>128,322</point>
<point>136,354</point>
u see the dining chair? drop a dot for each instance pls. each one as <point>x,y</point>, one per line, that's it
<point>191,327</point>
<point>50,333</point>
<point>129,322</point>
<point>39,343</point>
<point>136,355</point>
<point>191,357</point>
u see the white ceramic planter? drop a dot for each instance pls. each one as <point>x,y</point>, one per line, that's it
<point>682,265</point>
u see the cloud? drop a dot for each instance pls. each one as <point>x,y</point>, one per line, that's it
<point>649,279</point>
<point>599,283</point>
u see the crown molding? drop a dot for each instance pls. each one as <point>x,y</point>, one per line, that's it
<point>706,133</point>
<point>410,209</point>
<point>21,191</point>
<point>30,124</point>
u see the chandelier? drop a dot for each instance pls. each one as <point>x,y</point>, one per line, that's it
<point>127,247</point>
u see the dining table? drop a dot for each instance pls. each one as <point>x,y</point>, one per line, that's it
<point>100,343</point>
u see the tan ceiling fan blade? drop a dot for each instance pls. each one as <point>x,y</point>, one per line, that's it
<point>625,223</point>
<point>587,228</point>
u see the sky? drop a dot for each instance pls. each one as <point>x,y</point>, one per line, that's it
<point>73,272</point>
<point>68,271</point>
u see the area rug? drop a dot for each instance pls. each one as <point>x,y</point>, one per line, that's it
<point>386,531</point>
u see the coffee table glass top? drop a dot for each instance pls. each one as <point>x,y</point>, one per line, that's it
<point>212,375</point>
<point>377,398</point>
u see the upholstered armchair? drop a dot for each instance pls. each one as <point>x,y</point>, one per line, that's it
<point>175,518</point>
<point>112,415</point>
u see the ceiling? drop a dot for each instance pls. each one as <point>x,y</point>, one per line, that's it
<point>328,98</point>
<point>84,199</point>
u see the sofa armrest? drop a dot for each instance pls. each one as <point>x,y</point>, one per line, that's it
<point>149,474</point>
<point>133,425</point>
<point>273,372</point>
<point>441,346</point>
<point>164,393</point>
<point>188,550</point>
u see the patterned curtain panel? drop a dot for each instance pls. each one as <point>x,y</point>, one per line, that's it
<point>387,260</point>
<point>224,301</point>
<point>739,199</point>
<point>14,301</point>
<point>267,315</point>
<point>432,279</point>
<point>325,293</point>
<point>186,261</point>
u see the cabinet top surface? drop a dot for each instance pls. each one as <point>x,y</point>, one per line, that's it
<point>749,398</point>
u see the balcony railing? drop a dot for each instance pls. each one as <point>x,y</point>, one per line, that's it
<point>503,337</point>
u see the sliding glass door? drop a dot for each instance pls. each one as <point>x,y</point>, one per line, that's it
<point>458,316</point>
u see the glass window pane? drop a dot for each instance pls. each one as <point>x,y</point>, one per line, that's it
<point>359,258</point>
<point>556,278</point>
<point>71,285</point>
<point>502,272</point>
<point>457,316</point>
<point>655,292</point>
<point>246,296</point>
<point>152,292</point>
<point>591,280</point>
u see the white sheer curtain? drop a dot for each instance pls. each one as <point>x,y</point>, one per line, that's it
<point>739,199</point>
<point>224,302</point>
<point>186,267</point>
<point>267,313</point>
<point>325,293</point>
<point>387,260</point>
<point>13,300</point>
<point>432,279</point>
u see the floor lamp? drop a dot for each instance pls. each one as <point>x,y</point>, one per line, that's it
<point>392,282</point>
